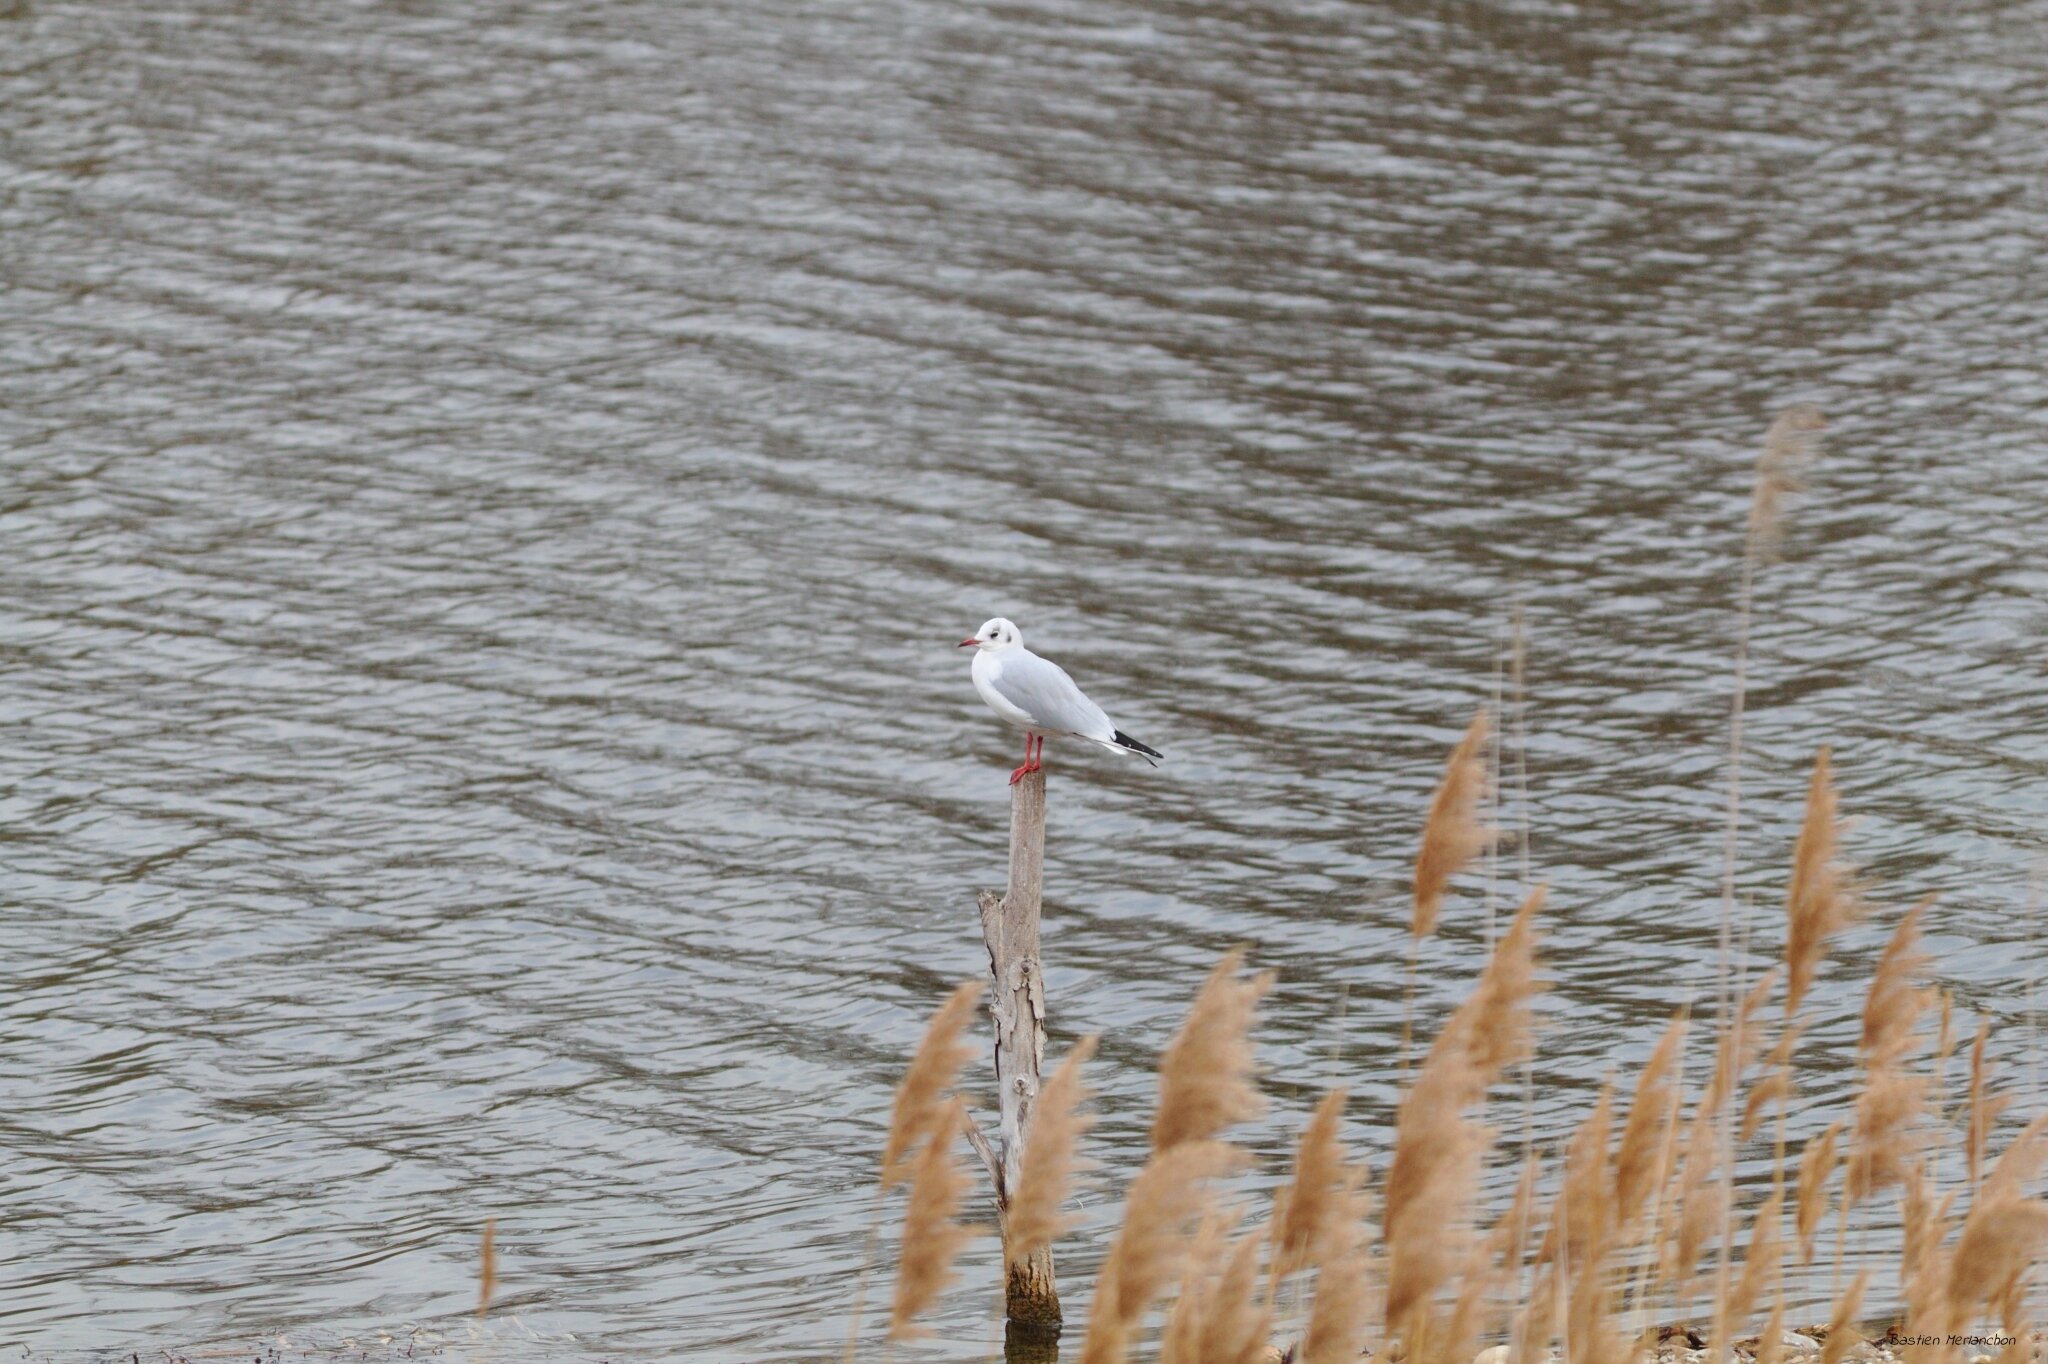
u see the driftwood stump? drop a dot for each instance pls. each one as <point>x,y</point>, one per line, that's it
<point>1009,924</point>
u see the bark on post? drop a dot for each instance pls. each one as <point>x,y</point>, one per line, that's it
<point>1009,924</point>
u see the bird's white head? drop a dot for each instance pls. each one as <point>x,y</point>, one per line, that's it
<point>996,633</point>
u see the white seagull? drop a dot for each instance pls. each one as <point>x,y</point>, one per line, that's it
<point>1036,695</point>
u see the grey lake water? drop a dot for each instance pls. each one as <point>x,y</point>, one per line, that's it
<point>490,493</point>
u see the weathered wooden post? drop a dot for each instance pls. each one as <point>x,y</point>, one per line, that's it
<point>1009,924</point>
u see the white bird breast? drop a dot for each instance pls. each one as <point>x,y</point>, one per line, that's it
<point>987,667</point>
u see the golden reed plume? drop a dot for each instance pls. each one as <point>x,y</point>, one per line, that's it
<point>920,1096</point>
<point>1152,1247</point>
<point>1218,1317</point>
<point>1309,1209</point>
<point>1205,1077</point>
<point>1819,901</point>
<point>1639,1158</point>
<point>1342,1310</point>
<point>1046,1174</point>
<point>1437,1148</point>
<point>487,1275</point>
<point>1982,1106</point>
<point>1892,1097</point>
<point>1759,1269</point>
<point>2003,1233</point>
<point>1453,835</point>
<point>1789,445</point>
<point>1842,1336</point>
<point>1817,1164</point>
<point>931,1235</point>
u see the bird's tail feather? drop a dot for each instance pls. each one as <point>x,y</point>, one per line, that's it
<point>1126,742</point>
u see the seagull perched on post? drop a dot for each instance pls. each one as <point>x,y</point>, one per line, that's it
<point>1036,695</point>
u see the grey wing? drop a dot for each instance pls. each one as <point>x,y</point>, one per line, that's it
<point>1043,690</point>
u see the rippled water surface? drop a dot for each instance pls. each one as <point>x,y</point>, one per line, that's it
<point>490,492</point>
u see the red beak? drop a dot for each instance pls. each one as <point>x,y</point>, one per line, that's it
<point>967,644</point>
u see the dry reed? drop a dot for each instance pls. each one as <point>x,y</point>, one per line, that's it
<point>1046,1173</point>
<point>1983,1107</point>
<point>920,1095</point>
<point>1180,1341</point>
<point>1437,1148</point>
<point>1441,1280</point>
<point>1583,1235</point>
<point>1151,1248</point>
<point>1453,835</point>
<point>1819,900</point>
<point>1892,1096</point>
<point>1788,445</point>
<point>1770,1346</point>
<point>487,1272</point>
<point>1759,1268</point>
<point>1785,446</point>
<point>2012,1315</point>
<point>2024,1158</point>
<point>1700,1197</point>
<point>1944,1047</point>
<point>1205,1076</point>
<point>1924,1262</point>
<point>1842,1335</point>
<point>1309,1210</point>
<point>2001,1237</point>
<point>1490,1266</point>
<point>1343,1302</point>
<point>1637,1161</point>
<point>1817,1164</point>
<point>931,1236</point>
<point>1775,1086</point>
<point>1218,1317</point>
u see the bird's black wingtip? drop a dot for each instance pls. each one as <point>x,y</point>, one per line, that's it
<point>1124,740</point>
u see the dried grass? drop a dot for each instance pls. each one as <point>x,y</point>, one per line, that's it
<point>1788,447</point>
<point>2024,1158</point>
<point>1583,1236</point>
<point>1152,1247</point>
<point>1046,1174</point>
<point>1842,1334</point>
<point>1218,1317</point>
<point>487,1272</point>
<point>1491,1265</point>
<point>1817,1164</point>
<point>931,1235</point>
<point>920,1095</point>
<point>1893,1097</point>
<point>1310,1210</point>
<point>1453,835</point>
<point>1205,1077</point>
<point>1181,1340</point>
<point>1343,1303</point>
<point>1776,1085</point>
<point>1770,1346</point>
<point>1924,1262</point>
<point>1638,1161</point>
<point>2000,1240</point>
<point>1820,900</point>
<point>1437,1148</point>
<point>1700,1196</point>
<point>1759,1269</point>
<point>1983,1107</point>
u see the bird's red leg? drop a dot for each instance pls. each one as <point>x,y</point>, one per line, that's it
<point>1038,755</point>
<point>1025,766</point>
